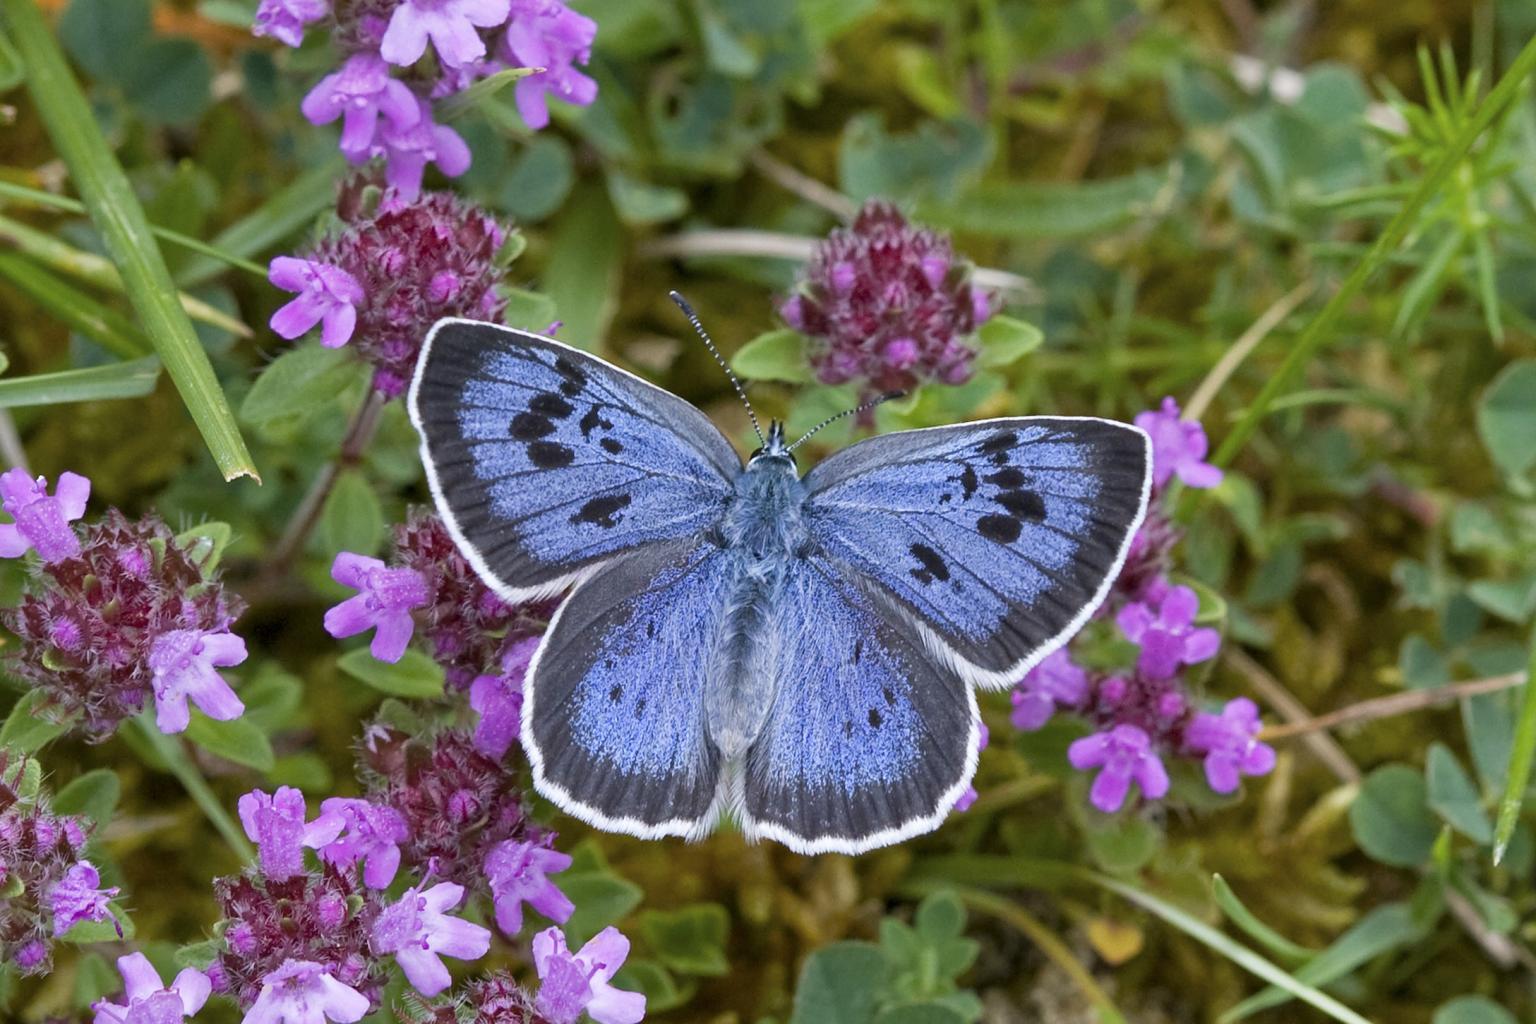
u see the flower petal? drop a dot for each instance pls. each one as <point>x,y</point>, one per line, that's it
<point>140,978</point>
<point>194,987</point>
<point>423,968</point>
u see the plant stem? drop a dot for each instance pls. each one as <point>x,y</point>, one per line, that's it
<point>179,764</point>
<point>1319,330</point>
<point>1395,704</point>
<point>365,423</point>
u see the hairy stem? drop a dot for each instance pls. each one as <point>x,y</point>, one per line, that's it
<point>180,764</point>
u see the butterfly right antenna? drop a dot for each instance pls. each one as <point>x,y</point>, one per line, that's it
<point>741,392</point>
<point>862,407</point>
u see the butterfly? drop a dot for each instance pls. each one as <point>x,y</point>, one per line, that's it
<point>800,653</point>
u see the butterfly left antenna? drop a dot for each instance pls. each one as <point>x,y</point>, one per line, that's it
<point>741,392</point>
<point>861,407</point>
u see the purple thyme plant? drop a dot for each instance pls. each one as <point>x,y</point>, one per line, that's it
<point>133,613</point>
<point>419,932</point>
<point>396,265</point>
<point>1143,714</point>
<point>383,90</point>
<point>577,983</point>
<point>517,873</point>
<point>40,520</point>
<point>887,304</point>
<point>148,1000</point>
<point>306,992</point>
<point>371,834</point>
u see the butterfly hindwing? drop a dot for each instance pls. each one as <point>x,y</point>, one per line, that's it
<point>546,461</point>
<point>613,712</point>
<point>1000,537</point>
<point>870,738</point>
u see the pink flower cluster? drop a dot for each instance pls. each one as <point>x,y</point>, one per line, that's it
<point>1144,713</point>
<point>400,55</point>
<point>116,612</point>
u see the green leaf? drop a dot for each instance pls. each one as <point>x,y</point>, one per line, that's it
<point>660,988</point>
<point>528,311</point>
<point>133,379</point>
<point>102,34</point>
<point>776,355</point>
<point>1024,210</point>
<point>204,543</point>
<point>1257,930</point>
<point>1472,1010</point>
<point>87,932</point>
<point>236,740</point>
<point>74,308</point>
<point>297,384</point>
<point>414,675</point>
<point>940,916</point>
<point>25,730</point>
<point>1122,844</point>
<point>921,1013</point>
<point>353,519</point>
<point>1520,758</point>
<point>169,81</point>
<point>1506,417</point>
<point>1391,818</point>
<point>934,161</point>
<point>118,217</point>
<point>11,73</point>
<point>93,795</point>
<point>839,984</point>
<point>481,91</point>
<point>539,180</point>
<point>1513,600</point>
<point>1453,796</point>
<point>600,895</point>
<point>689,940</point>
<point>639,203</point>
<point>1005,341</point>
<point>586,256</point>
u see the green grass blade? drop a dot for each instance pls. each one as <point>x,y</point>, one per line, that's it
<point>1239,954</point>
<point>1320,329</point>
<point>115,210</point>
<point>283,213</point>
<point>74,308</point>
<point>1520,757</point>
<point>1263,934</point>
<point>37,197</point>
<point>99,271</point>
<point>132,379</point>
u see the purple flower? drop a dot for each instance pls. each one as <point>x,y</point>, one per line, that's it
<point>887,303</point>
<point>548,34</point>
<point>31,955</point>
<point>41,521</point>
<point>1230,744</point>
<point>575,982</point>
<point>408,149</point>
<point>327,295</point>
<point>358,94</point>
<point>304,992</point>
<point>78,897</point>
<point>183,663</point>
<point>1163,625</point>
<point>1178,448</point>
<point>450,24</point>
<point>1125,755</point>
<point>384,603</point>
<point>146,998</point>
<point>970,795</point>
<point>417,929</point>
<point>499,699</point>
<point>284,20</point>
<point>276,825</point>
<point>516,872</point>
<point>373,835</point>
<point>1057,680</point>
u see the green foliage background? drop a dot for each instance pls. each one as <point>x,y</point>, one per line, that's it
<point>1168,184</point>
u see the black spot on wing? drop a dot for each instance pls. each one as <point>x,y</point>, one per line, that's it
<point>968,481</point>
<point>1023,505</point>
<point>874,718</point>
<point>530,426</point>
<point>611,446</point>
<point>550,455</point>
<point>551,405</point>
<point>592,420</point>
<point>1002,529</point>
<point>574,379</point>
<point>1007,478</point>
<point>1000,442</point>
<point>930,566</point>
<point>602,511</point>
<point>615,693</point>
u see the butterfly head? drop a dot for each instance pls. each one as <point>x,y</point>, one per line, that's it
<point>775,451</point>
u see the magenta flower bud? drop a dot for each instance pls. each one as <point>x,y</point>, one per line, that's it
<point>384,602</point>
<point>1113,691</point>
<point>41,520</point>
<point>901,353</point>
<point>792,313</point>
<point>444,286</point>
<point>935,268</point>
<point>843,275</point>
<point>1171,705</point>
<point>242,939</point>
<point>30,955</point>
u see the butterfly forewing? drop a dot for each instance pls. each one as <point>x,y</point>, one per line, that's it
<point>1000,537</point>
<point>613,711</point>
<point>546,461</point>
<point>870,737</point>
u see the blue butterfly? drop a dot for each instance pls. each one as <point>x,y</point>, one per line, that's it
<point>800,653</point>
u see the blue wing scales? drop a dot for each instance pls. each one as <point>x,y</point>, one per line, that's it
<point>1000,537</point>
<point>870,738</point>
<point>613,711</point>
<point>546,461</point>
